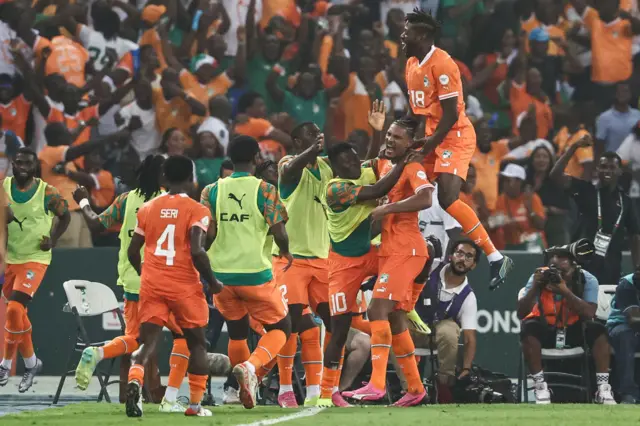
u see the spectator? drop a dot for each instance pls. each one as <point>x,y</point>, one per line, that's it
<point>624,325</point>
<point>546,15</point>
<point>209,154</point>
<point>615,124</point>
<point>457,17</point>
<point>14,107</point>
<point>556,204</point>
<point>577,291</point>
<point>359,96</point>
<point>629,152</point>
<point>581,164</point>
<point>140,116</point>
<point>519,213</point>
<point>98,181</point>
<point>9,144</point>
<point>524,92</point>
<point>448,305</point>
<point>251,121</point>
<point>606,214</point>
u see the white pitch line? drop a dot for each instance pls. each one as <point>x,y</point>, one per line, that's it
<point>304,413</point>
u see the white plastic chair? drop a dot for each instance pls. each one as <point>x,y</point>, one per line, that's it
<point>88,299</point>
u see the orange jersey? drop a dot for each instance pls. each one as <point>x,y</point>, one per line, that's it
<point>69,59</point>
<point>400,232</point>
<point>165,222</point>
<point>435,78</point>
<point>15,115</point>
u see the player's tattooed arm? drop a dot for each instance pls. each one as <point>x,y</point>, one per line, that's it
<point>133,252</point>
<point>200,259</point>
<point>60,209</point>
<point>291,171</point>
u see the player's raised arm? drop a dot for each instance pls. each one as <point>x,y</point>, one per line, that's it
<point>292,170</point>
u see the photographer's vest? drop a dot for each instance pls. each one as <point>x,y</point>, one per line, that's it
<point>433,310</point>
<point>556,313</point>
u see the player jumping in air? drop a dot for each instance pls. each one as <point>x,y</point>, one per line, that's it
<point>173,230</point>
<point>123,211</point>
<point>351,197</point>
<point>31,237</point>
<point>246,209</point>
<point>435,92</point>
<point>302,180</point>
<point>402,257</point>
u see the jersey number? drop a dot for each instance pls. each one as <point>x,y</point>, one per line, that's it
<point>338,303</point>
<point>417,98</point>
<point>168,237</point>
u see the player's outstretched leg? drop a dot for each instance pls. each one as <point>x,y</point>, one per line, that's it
<point>179,363</point>
<point>149,336</point>
<point>285,360</point>
<point>91,356</point>
<point>269,345</point>
<point>198,371</point>
<point>448,195</point>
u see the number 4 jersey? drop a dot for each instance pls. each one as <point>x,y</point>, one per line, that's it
<point>435,78</point>
<point>166,223</point>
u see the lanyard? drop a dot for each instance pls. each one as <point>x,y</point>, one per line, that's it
<point>617,224</point>
<point>562,311</point>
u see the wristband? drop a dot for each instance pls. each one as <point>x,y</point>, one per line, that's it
<point>196,20</point>
<point>84,203</point>
<point>109,81</point>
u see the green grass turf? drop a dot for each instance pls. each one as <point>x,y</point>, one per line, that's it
<point>92,414</point>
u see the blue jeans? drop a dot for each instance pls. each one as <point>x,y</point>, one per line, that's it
<point>625,343</point>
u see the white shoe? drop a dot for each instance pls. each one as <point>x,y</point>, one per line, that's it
<point>604,395</point>
<point>231,397</point>
<point>171,407</point>
<point>202,412</point>
<point>541,391</point>
<point>248,382</point>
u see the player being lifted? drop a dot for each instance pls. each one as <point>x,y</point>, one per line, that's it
<point>246,209</point>
<point>402,256</point>
<point>123,211</point>
<point>302,180</point>
<point>435,92</point>
<point>350,198</point>
<point>173,229</point>
<point>31,237</point>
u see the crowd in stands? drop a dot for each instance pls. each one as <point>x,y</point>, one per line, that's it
<point>94,87</point>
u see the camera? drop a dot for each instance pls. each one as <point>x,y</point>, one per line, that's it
<point>579,251</point>
<point>552,275</point>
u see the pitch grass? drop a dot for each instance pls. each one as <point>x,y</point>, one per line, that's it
<point>93,414</point>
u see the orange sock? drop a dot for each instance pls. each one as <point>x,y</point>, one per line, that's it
<point>404,349</point>
<point>471,225</point>
<point>264,370</point>
<point>380,345</point>
<point>329,378</point>
<point>14,329</point>
<point>136,372</point>
<point>268,346</point>
<point>238,351</point>
<point>25,347</point>
<point>359,323</point>
<point>197,386</point>
<point>311,356</point>
<point>416,289</point>
<point>178,361</point>
<point>119,346</point>
<point>286,356</point>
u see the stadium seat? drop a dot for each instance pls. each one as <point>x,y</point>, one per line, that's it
<point>566,380</point>
<point>88,299</point>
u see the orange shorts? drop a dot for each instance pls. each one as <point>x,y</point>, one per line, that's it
<point>24,277</point>
<point>189,310</point>
<point>452,156</point>
<point>264,301</point>
<point>305,283</point>
<point>395,279</point>
<point>346,275</point>
<point>132,320</point>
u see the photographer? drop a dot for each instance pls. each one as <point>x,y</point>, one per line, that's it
<point>557,309</point>
<point>624,325</point>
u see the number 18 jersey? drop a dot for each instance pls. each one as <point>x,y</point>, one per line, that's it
<point>435,78</point>
<point>166,222</point>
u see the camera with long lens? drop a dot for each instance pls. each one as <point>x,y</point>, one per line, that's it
<point>579,251</point>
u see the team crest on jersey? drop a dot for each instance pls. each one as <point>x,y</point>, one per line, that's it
<point>426,81</point>
<point>447,154</point>
<point>30,275</point>
<point>444,79</point>
<point>384,278</point>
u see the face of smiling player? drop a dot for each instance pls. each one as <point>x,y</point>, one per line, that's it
<point>397,142</point>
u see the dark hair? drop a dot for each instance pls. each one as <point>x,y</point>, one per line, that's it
<point>424,19</point>
<point>196,149</point>
<point>148,176</point>
<point>178,169</point>
<point>107,21</point>
<point>27,151</point>
<point>338,149</point>
<point>264,166</point>
<point>408,124</point>
<point>54,132</point>
<point>298,131</point>
<point>226,165</point>
<point>468,242</point>
<point>246,101</point>
<point>611,155</point>
<point>165,139</point>
<point>243,149</point>
<point>529,163</point>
